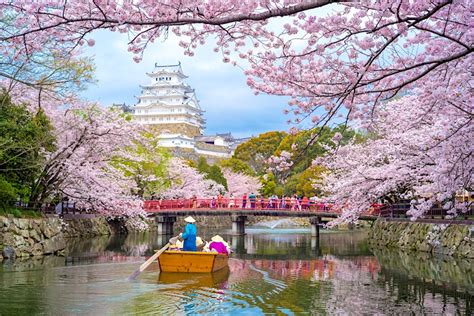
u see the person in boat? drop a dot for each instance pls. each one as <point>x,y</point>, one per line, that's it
<point>200,244</point>
<point>189,234</point>
<point>218,245</point>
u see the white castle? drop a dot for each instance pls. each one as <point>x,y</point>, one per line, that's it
<point>170,107</point>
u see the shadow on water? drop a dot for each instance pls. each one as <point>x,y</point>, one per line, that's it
<point>420,277</point>
<point>272,271</point>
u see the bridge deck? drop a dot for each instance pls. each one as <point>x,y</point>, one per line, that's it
<point>249,212</point>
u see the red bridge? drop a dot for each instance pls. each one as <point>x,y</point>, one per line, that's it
<point>165,211</point>
<point>257,206</point>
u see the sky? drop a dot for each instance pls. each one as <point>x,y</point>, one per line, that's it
<point>229,104</point>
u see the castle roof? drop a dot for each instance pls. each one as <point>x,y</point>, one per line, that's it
<point>167,69</point>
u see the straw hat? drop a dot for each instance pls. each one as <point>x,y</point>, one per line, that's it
<point>217,238</point>
<point>199,241</point>
<point>189,219</point>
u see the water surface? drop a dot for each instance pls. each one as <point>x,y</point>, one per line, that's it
<point>282,271</point>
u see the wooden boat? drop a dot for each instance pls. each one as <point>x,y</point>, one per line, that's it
<point>192,261</point>
<point>195,280</point>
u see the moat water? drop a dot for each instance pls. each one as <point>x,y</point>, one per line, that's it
<point>273,271</point>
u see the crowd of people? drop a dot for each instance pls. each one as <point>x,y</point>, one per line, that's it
<point>254,201</point>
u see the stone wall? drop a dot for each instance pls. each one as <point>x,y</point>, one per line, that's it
<point>175,128</point>
<point>22,237</point>
<point>453,240</point>
<point>25,237</point>
<point>86,227</point>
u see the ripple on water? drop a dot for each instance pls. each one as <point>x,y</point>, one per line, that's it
<point>262,283</point>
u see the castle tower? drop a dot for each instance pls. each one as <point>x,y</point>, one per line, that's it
<point>170,107</point>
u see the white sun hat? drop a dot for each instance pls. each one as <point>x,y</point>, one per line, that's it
<point>189,219</point>
<point>199,241</point>
<point>217,238</point>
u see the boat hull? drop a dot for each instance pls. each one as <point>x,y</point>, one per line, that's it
<point>192,261</point>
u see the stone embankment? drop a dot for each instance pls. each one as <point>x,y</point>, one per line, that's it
<point>22,237</point>
<point>25,237</point>
<point>449,239</point>
<point>86,227</point>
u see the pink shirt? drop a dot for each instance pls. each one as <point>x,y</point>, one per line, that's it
<point>219,247</point>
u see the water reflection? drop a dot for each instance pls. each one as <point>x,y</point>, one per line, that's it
<point>272,271</point>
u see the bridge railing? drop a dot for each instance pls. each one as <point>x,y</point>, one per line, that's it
<point>399,210</point>
<point>248,204</point>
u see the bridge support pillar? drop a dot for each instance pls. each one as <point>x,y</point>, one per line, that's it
<point>315,245</point>
<point>238,244</point>
<point>238,224</point>
<point>315,221</point>
<point>165,224</point>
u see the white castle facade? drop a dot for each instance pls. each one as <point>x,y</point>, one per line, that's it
<point>170,107</point>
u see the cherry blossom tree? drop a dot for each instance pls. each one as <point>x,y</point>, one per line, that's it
<point>342,66</point>
<point>239,184</point>
<point>186,182</point>
<point>346,62</point>
<point>88,138</point>
<point>79,168</point>
<point>422,152</point>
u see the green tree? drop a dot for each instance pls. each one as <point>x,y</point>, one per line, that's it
<point>149,169</point>
<point>213,172</point>
<point>25,138</point>
<point>307,181</point>
<point>202,165</point>
<point>305,153</point>
<point>237,165</point>
<point>258,149</point>
<point>268,184</point>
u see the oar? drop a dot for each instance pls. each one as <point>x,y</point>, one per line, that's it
<point>148,262</point>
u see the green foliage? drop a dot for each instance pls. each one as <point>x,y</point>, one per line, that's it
<point>149,170</point>
<point>268,184</point>
<point>213,172</point>
<point>307,182</point>
<point>20,213</point>
<point>300,177</point>
<point>7,193</point>
<point>258,149</point>
<point>202,165</point>
<point>237,165</point>
<point>25,137</point>
<point>304,153</point>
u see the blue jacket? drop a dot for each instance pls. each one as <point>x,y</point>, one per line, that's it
<point>189,237</point>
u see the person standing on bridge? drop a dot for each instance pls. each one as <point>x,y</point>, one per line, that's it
<point>252,198</point>
<point>189,235</point>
